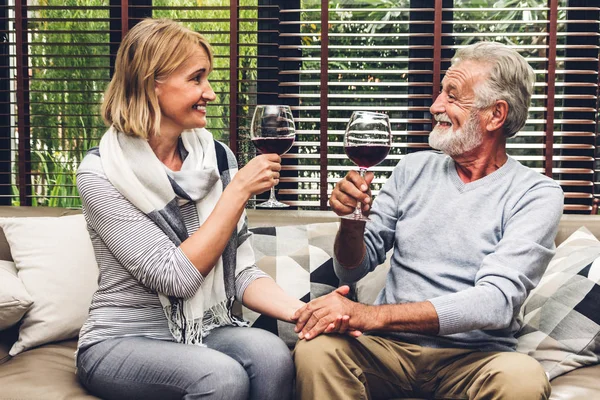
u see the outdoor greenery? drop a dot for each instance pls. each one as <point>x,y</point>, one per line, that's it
<point>68,74</point>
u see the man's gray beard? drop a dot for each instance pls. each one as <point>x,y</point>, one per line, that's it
<point>459,141</point>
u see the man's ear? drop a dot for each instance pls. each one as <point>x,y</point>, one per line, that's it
<point>499,111</point>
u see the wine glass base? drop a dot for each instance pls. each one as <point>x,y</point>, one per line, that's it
<point>272,204</point>
<point>356,217</point>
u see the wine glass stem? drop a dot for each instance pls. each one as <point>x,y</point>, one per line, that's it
<point>357,210</point>
<point>272,195</point>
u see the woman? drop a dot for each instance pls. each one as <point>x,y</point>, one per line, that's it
<point>164,204</point>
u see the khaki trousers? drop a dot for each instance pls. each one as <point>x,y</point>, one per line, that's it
<point>373,367</point>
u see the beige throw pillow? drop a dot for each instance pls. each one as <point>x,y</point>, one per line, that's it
<point>55,261</point>
<point>14,299</point>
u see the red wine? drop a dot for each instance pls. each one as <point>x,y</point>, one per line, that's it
<point>367,155</point>
<point>279,145</point>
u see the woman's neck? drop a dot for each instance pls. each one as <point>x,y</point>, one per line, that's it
<point>166,150</point>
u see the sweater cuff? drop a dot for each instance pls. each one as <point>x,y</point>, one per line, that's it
<point>448,316</point>
<point>347,275</point>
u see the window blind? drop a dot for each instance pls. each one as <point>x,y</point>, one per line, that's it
<point>323,58</point>
<point>392,59</point>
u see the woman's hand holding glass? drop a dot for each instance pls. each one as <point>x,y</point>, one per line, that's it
<point>258,175</point>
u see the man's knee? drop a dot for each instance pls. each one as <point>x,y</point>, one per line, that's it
<point>326,369</point>
<point>318,352</point>
<point>516,376</point>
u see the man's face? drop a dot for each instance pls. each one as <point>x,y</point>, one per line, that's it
<point>458,129</point>
<point>459,141</point>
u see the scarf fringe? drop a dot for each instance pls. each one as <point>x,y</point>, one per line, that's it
<point>192,332</point>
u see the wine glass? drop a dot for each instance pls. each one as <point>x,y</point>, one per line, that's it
<point>273,131</point>
<point>367,142</point>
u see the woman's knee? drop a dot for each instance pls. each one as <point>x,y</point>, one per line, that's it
<point>265,358</point>
<point>271,355</point>
<point>228,380</point>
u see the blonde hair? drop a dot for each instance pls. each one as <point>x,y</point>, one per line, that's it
<point>151,51</point>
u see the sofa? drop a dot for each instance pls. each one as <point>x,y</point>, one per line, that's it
<point>48,371</point>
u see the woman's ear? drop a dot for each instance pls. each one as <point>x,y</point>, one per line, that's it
<point>157,88</point>
<point>499,112</point>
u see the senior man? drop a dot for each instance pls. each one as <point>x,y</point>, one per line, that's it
<point>472,232</point>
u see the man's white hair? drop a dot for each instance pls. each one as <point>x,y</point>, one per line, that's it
<point>510,79</point>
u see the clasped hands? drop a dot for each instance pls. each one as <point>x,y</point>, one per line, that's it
<point>332,313</point>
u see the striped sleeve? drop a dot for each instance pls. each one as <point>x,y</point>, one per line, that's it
<point>246,270</point>
<point>136,242</point>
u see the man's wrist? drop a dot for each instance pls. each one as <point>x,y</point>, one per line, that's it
<point>349,246</point>
<point>350,226</point>
<point>370,314</point>
<point>379,321</point>
<point>352,264</point>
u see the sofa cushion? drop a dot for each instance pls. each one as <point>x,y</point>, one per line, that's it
<point>561,316</point>
<point>14,299</point>
<point>299,258</point>
<point>55,261</point>
<point>47,372</point>
<point>21,212</point>
<point>581,384</point>
<point>570,223</point>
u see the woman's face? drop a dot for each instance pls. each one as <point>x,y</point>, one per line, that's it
<point>184,94</point>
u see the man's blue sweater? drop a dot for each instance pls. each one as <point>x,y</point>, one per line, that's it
<point>474,250</point>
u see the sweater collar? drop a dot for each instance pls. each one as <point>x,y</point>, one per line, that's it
<point>490,179</point>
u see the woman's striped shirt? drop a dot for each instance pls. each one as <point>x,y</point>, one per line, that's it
<point>136,261</point>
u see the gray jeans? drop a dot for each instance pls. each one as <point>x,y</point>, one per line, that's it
<point>238,363</point>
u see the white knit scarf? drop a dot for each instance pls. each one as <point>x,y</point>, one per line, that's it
<point>132,167</point>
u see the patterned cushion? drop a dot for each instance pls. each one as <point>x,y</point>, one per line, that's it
<point>299,259</point>
<point>561,317</point>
